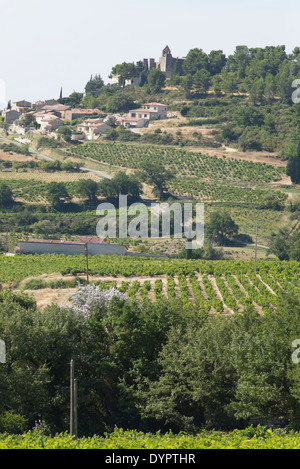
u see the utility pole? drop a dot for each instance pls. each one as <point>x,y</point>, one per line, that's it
<point>255,251</point>
<point>87,264</point>
<point>73,401</point>
<point>75,409</point>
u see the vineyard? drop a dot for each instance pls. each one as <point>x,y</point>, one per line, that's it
<point>197,174</point>
<point>250,438</point>
<point>35,190</point>
<point>216,286</point>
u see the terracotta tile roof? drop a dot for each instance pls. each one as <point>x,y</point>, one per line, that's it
<point>90,240</point>
<point>154,104</point>
<point>86,111</point>
<point>52,241</point>
<point>145,111</point>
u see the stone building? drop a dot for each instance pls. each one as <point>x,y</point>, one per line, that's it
<point>166,63</point>
<point>69,248</point>
<point>48,122</point>
<point>38,105</point>
<point>160,109</point>
<point>20,106</point>
<point>91,129</point>
<point>11,115</point>
<point>79,113</point>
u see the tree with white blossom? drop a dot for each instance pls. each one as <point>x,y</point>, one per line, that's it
<point>90,298</point>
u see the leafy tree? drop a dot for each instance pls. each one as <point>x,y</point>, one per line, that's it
<point>87,188</point>
<point>239,61</point>
<point>28,119</point>
<point>120,184</point>
<point>6,196</point>
<point>195,60</point>
<point>256,90</point>
<point>156,80</point>
<point>262,356</point>
<point>65,132</point>
<point>216,61</point>
<point>178,68</point>
<point>188,85</point>
<point>37,354</point>
<point>220,228</point>
<point>51,166</point>
<point>287,73</point>
<point>270,87</point>
<point>229,82</point>
<point>272,201</point>
<point>201,80</point>
<point>279,245</point>
<point>286,245</point>
<point>294,247</point>
<point>217,84</point>
<point>57,193</point>
<point>107,188</point>
<point>94,85</point>
<point>155,173</point>
<point>74,100</point>
<point>126,71</point>
<point>127,184</point>
<point>248,116</point>
<point>120,102</point>
<point>293,163</point>
<point>191,390</point>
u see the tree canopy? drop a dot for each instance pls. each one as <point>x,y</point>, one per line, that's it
<point>156,174</point>
<point>221,228</point>
<point>94,85</point>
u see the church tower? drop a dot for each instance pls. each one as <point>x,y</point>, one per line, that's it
<point>166,62</point>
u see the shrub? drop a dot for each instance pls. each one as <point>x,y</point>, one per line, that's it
<point>12,423</point>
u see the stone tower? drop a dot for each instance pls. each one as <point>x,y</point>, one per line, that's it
<point>166,62</point>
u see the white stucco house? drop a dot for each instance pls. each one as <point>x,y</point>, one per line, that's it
<point>93,128</point>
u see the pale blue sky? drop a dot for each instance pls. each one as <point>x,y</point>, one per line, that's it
<point>46,45</point>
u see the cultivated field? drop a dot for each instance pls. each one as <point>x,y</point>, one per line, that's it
<point>225,287</point>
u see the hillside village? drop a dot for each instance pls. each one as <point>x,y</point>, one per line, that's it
<point>47,116</point>
<point>50,115</point>
<point>191,108</point>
